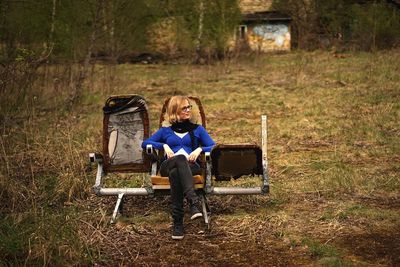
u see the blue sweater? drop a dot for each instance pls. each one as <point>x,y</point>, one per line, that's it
<point>165,135</point>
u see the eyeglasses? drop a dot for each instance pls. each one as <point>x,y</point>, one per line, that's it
<point>187,108</point>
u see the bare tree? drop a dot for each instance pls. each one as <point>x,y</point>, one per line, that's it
<point>200,31</point>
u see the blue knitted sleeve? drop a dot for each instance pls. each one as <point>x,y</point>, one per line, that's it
<point>157,139</point>
<point>205,139</point>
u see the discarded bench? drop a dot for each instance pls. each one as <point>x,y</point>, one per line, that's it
<point>126,125</point>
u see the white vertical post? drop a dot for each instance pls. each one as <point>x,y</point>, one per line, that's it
<point>264,137</point>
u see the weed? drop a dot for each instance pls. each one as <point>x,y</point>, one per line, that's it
<point>320,250</point>
<point>44,239</point>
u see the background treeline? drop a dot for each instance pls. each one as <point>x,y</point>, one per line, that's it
<point>81,29</point>
<point>344,24</point>
<point>76,33</point>
<point>78,28</point>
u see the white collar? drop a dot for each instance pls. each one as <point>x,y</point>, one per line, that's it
<point>181,135</point>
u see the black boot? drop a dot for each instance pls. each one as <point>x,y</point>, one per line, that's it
<point>195,209</point>
<point>177,230</point>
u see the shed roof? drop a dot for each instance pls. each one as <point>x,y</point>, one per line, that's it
<point>251,6</point>
<point>266,16</point>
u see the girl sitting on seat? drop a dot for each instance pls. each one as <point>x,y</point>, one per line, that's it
<point>182,142</point>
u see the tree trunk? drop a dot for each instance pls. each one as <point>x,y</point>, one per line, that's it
<point>200,32</point>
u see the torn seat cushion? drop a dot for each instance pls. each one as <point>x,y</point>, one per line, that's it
<point>236,160</point>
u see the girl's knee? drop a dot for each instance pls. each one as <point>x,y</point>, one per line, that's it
<point>173,174</point>
<point>180,158</point>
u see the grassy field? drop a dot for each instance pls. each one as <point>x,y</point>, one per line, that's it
<point>333,151</point>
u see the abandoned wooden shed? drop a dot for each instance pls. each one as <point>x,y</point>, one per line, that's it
<point>265,31</point>
<point>262,29</point>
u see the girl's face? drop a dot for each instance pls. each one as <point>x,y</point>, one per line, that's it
<point>184,111</point>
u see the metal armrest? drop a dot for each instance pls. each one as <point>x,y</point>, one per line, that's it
<point>95,157</point>
<point>153,153</point>
<point>152,150</point>
<point>207,156</point>
<point>204,159</point>
<point>154,156</point>
<point>149,149</point>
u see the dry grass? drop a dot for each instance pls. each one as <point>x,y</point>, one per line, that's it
<point>333,153</point>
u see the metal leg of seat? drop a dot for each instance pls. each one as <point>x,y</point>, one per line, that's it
<point>206,210</point>
<point>116,209</point>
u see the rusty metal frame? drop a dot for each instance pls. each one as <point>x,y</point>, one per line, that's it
<point>261,170</point>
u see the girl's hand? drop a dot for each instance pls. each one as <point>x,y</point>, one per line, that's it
<point>195,154</point>
<point>168,151</point>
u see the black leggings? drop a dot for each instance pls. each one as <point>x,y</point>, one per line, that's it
<point>180,173</point>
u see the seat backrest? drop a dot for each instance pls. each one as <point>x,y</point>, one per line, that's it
<point>125,126</point>
<point>235,160</point>
<point>197,111</point>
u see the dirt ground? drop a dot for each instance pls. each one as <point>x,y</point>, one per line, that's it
<point>245,232</point>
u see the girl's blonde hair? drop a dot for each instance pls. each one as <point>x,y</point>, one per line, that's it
<point>174,105</point>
